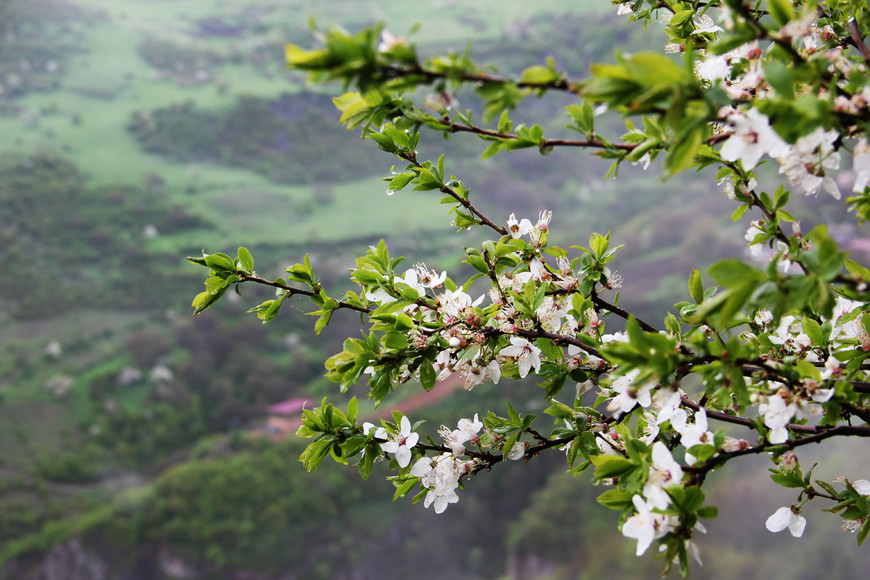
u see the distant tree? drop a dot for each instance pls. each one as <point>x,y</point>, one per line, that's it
<point>781,353</point>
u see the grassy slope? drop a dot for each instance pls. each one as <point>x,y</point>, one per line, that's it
<point>106,81</point>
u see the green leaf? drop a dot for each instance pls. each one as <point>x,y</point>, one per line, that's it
<point>509,444</point>
<point>654,69</point>
<point>682,154</point>
<point>549,349</point>
<point>427,375</point>
<point>738,213</point>
<point>246,260</point>
<point>615,499</point>
<point>607,466</point>
<point>322,321</point>
<point>215,284</point>
<point>708,512</point>
<point>219,262</point>
<point>352,410</point>
<point>696,286</point>
<point>680,17</point>
<point>559,411</point>
<point>789,479</point>
<point>781,11</point>
<point>400,181</point>
<point>395,340</point>
<point>780,78</point>
<point>814,331</point>
<point>598,243</point>
<point>372,451</point>
<point>731,272</point>
<point>403,489</point>
<point>862,533</point>
<point>856,270</point>
<point>672,325</point>
<point>512,413</point>
<point>427,181</point>
<point>539,75</point>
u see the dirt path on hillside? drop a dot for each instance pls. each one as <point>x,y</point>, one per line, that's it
<point>278,428</point>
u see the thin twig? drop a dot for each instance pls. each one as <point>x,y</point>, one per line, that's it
<point>293,291</point>
<point>857,41</point>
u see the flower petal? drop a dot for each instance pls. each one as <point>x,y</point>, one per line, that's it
<point>779,520</point>
<point>796,525</point>
<point>403,456</point>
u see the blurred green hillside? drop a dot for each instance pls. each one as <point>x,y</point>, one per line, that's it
<point>137,132</point>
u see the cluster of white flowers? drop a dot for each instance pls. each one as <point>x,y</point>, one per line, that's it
<point>523,227</point>
<point>419,279</point>
<point>466,432</point>
<point>779,405</point>
<point>457,309</point>
<point>777,415</point>
<point>808,162</point>
<point>441,474</point>
<point>625,8</point>
<point>647,525</point>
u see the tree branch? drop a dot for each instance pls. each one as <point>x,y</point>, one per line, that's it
<point>453,127</point>
<point>429,77</point>
<point>412,159</point>
<point>857,41</point>
<point>293,291</point>
<point>823,433</point>
<point>557,338</point>
<point>603,304</point>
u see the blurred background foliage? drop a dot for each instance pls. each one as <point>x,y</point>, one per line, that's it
<point>132,440</point>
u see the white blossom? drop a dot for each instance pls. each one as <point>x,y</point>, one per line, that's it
<point>646,526</point>
<point>453,302</point>
<point>752,138</point>
<point>753,232</point>
<point>475,373</point>
<point>429,278</point>
<point>776,417</point>
<point>466,430</point>
<point>704,24</point>
<point>629,395</point>
<point>804,164</point>
<point>663,472</point>
<point>691,434</point>
<point>518,451</point>
<point>411,278</point>
<point>861,163</point>
<point>389,41</point>
<point>527,355</point>
<point>666,401</point>
<point>520,229</point>
<point>441,476</point>
<point>784,518</point>
<point>402,443</point>
<point>379,295</point>
<point>713,68</point>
